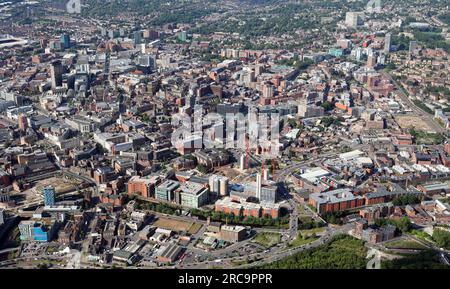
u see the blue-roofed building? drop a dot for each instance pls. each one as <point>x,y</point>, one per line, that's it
<point>40,233</point>
<point>38,230</point>
<point>336,52</point>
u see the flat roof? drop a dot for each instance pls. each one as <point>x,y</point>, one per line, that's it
<point>351,155</point>
<point>334,196</point>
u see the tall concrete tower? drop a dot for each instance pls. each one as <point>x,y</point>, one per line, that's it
<point>242,162</point>
<point>387,43</point>
<point>258,185</point>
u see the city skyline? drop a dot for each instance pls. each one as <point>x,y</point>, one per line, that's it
<point>224,135</point>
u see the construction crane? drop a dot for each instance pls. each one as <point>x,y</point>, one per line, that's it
<point>247,152</point>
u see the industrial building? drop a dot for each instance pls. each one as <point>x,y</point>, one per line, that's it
<point>232,234</point>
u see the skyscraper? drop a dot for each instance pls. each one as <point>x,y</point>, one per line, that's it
<point>65,41</point>
<point>387,43</point>
<point>49,196</point>
<point>258,185</point>
<point>56,74</point>
<point>137,37</point>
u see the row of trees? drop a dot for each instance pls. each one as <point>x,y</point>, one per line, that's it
<point>159,207</point>
<point>404,200</point>
<point>334,217</point>
<point>265,221</point>
<point>403,224</point>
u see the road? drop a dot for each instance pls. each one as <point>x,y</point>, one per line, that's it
<point>273,254</point>
<point>281,251</point>
<point>9,250</point>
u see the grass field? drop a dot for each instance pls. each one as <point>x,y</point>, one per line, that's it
<point>303,239</point>
<point>404,244</point>
<point>195,227</point>
<point>342,252</point>
<point>312,231</point>
<point>174,225</point>
<point>422,236</point>
<point>267,239</point>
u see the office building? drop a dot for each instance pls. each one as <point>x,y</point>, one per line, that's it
<point>335,201</point>
<point>265,193</point>
<point>137,37</point>
<point>49,196</point>
<point>56,71</point>
<point>38,231</point>
<point>193,195</point>
<point>26,230</point>
<point>143,186</point>
<point>165,191</point>
<point>147,63</point>
<point>228,205</point>
<point>65,41</point>
<point>214,184</point>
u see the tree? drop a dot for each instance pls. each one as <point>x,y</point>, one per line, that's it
<point>424,260</point>
<point>405,200</point>
<point>343,252</point>
<point>202,169</point>
<point>327,106</point>
<point>442,238</point>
